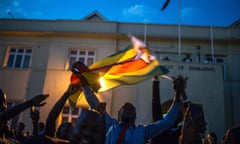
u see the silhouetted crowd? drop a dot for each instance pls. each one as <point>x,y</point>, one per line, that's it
<point>182,123</point>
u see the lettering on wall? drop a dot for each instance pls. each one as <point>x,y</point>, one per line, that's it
<point>191,68</point>
<point>198,68</point>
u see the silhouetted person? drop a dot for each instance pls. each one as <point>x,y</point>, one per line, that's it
<point>187,58</point>
<point>19,132</point>
<point>65,128</point>
<point>34,114</point>
<point>208,60</point>
<point>169,136</point>
<point>51,135</point>
<point>194,125</point>
<point>212,138</point>
<point>232,136</point>
<point>7,114</point>
<point>166,59</point>
<point>41,126</point>
<point>89,128</point>
<point>124,130</point>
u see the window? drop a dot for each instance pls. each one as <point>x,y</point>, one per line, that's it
<point>18,57</point>
<point>85,56</point>
<point>70,115</point>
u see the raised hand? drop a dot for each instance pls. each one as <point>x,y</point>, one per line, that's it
<point>77,69</point>
<point>177,85</point>
<point>34,114</point>
<point>38,100</point>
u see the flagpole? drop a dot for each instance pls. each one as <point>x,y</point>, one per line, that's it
<point>179,30</point>
<point>212,47</point>
<point>145,32</point>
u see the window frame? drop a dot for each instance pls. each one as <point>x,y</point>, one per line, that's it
<point>78,56</point>
<point>18,54</point>
<point>69,115</point>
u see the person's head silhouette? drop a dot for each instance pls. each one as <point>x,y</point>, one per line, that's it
<point>89,128</point>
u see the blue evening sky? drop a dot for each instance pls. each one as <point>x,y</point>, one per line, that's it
<point>193,12</point>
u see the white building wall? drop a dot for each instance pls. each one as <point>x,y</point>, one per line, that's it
<point>51,42</point>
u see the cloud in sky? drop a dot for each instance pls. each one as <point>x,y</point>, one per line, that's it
<point>136,11</point>
<point>13,8</point>
<point>139,12</point>
<point>188,12</point>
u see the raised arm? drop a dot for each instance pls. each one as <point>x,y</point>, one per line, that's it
<point>50,128</point>
<point>13,111</point>
<point>156,103</point>
<point>194,124</point>
<point>34,113</point>
<point>88,91</point>
<point>92,99</point>
<point>159,126</point>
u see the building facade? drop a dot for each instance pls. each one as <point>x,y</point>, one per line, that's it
<point>35,56</point>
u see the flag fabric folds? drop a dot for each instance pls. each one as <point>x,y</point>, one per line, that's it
<point>92,78</point>
<point>131,65</point>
